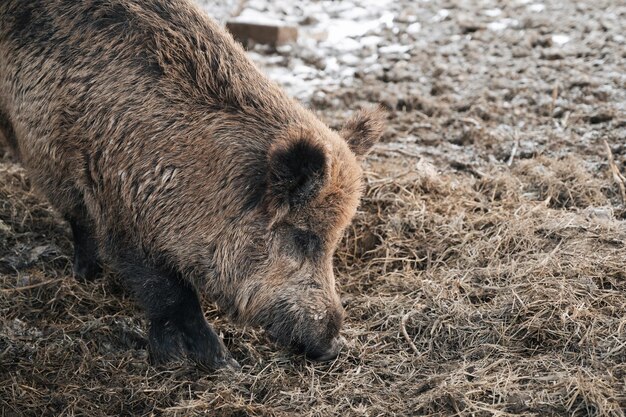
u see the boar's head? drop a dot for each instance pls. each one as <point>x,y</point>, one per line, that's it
<point>313,187</point>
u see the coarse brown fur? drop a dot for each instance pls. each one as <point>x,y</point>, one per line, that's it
<point>175,160</point>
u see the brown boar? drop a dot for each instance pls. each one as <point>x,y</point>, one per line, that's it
<point>183,167</point>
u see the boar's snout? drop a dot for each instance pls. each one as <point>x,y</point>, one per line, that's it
<point>329,353</point>
<point>306,329</point>
<point>320,339</point>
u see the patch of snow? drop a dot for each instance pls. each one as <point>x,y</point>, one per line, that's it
<point>332,65</point>
<point>414,28</point>
<point>560,39</point>
<point>344,45</point>
<point>502,24</point>
<point>295,85</point>
<point>387,19</point>
<point>256,17</point>
<point>341,29</point>
<point>356,13</point>
<point>370,40</point>
<point>394,49</point>
<point>346,32</point>
<point>441,15</point>
<point>304,71</point>
<point>492,12</point>
<point>350,59</point>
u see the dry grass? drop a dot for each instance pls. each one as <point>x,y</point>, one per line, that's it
<point>484,274</point>
<point>493,294</point>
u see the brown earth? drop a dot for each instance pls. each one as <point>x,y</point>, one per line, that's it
<point>483,275</point>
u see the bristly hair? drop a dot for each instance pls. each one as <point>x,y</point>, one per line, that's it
<point>364,129</point>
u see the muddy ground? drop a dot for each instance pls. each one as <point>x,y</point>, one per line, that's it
<point>483,275</point>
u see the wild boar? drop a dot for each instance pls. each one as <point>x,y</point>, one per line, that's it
<point>179,164</point>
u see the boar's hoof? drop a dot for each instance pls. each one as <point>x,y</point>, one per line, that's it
<point>85,268</point>
<point>231,364</point>
<point>171,340</point>
<point>86,265</point>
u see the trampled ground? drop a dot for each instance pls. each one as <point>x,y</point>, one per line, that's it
<point>483,275</point>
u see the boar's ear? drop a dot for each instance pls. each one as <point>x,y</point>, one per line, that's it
<point>297,170</point>
<point>364,129</point>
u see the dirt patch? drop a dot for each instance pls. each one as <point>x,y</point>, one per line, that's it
<point>484,272</point>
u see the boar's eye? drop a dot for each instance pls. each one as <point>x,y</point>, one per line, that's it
<point>309,243</point>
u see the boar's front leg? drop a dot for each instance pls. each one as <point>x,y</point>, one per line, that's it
<point>178,328</point>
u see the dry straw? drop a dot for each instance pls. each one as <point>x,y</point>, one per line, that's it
<point>493,294</point>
